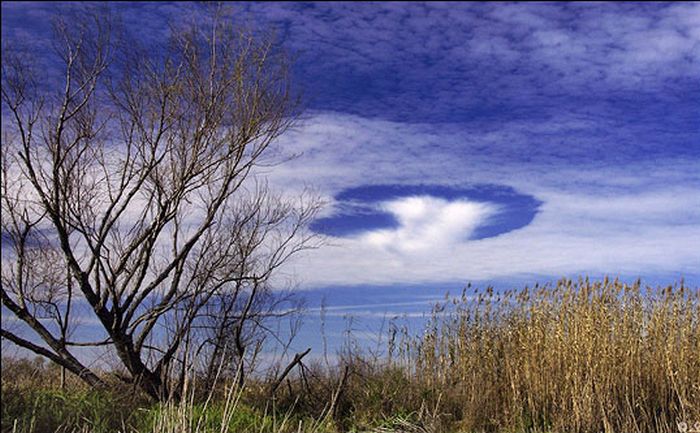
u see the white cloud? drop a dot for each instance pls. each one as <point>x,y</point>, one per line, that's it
<point>622,215</point>
<point>425,221</point>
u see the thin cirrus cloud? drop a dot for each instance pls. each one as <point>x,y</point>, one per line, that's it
<point>456,62</point>
<point>596,213</point>
<point>441,62</point>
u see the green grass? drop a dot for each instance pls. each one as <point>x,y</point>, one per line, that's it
<point>48,411</point>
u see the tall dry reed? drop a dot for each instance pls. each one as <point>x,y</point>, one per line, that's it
<point>572,357</point>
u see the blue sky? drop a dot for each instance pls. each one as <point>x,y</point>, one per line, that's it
<point>486,142</point>
<point>589,110</point>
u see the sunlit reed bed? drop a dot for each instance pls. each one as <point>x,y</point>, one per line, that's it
<point>575,356</point>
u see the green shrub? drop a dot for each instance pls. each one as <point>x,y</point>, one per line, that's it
<point>49,411</point>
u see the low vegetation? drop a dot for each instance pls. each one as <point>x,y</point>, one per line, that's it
<point>571,357</point>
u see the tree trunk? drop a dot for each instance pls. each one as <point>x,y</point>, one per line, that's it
<point>150,382</point>
<point>63,358</point>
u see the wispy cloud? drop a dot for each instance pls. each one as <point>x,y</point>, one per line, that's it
<point>609,214</point>
<point>444,62</point>
<point>488,60</point>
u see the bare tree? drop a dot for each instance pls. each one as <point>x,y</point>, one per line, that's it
<point>130,187</point>
<point>239,324</point>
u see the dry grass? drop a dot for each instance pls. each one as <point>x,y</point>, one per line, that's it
<point>572,357</point>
